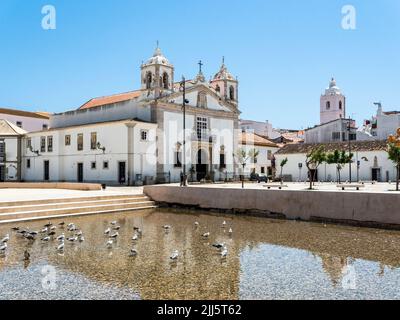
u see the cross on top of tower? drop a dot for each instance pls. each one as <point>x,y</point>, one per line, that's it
<point>200,65</point>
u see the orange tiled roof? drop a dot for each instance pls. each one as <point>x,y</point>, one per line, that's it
<point>101,101</point>
<point>23,113</point>
<point>248,138</point>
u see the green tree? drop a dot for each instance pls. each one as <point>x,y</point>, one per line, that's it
<point>394,155</point>
<point>242,157</point>
<point>282,164</point>
<point>340,159</point>
<point>314,159</point>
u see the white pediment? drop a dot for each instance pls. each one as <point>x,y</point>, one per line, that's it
<point>213,102</point>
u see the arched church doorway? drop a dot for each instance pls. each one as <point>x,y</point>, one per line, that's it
<point>201,166</point>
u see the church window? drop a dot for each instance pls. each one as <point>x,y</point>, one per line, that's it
<point>149,79</point>
<point>50,143</point>
<point>93,141</point>
<point>201,128</point>
<point>340,105</point>
<point>105,164</point>
<point>165,80</point>
<point>232,93</point>
<point>218,89</point>
<point>93,165</point>
<point>144,135</point>
<point>328,105</point>
<point>42,144</point>
<point>28,163</point>
<point>263,170</point>
<point>80,142</point>
<point>202,100</point>
<point>178,156</point>
<point>67,140</point>
<point>19,124</point>
<point>29,143</point>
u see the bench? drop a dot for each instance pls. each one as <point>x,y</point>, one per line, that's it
<point>279,186</point>
<point>356,186</point>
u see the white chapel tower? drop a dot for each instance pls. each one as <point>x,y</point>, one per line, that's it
<point>157,76</point>
<point>333,104</point>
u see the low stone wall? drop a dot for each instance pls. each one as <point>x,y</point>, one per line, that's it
<point>356,208</point>
<point>50,185</point>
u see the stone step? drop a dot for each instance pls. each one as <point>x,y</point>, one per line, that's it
<point>65,200</point>
<point>63,204</point>
<point>66,210</point>
<point>59,216</point>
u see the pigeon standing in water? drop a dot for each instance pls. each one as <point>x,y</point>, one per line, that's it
<point>5,239</point>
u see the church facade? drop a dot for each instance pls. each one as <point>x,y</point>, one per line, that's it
<point>138,137</point>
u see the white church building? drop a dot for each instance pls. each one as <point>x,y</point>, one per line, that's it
<point>137,137</point>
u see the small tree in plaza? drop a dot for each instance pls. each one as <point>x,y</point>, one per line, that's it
<point>242,157</point>
<point>282,164</point>
<point>340,159</point>
<point>394,154</point>
<point>313,160</point>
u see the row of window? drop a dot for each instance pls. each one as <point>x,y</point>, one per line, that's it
<point>328,105</point>
<point>93,164</point>
<point>19,125</point>
<point>79,141</point>
<point>342,136</point>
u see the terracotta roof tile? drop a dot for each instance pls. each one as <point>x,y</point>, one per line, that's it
<point>23,113</point>
<point>101,101</point>
<point>377,145</point>
<point>248,138</point>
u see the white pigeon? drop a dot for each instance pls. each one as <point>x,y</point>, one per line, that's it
<point>115,235</point>
<point>205,235</point>
<point>108,230</point>
<point>109,243</point>
<point>224,252</point>
<point>223,224</point>
<point>135,237</point>
<point>61,237</point>
<point>5,239</point>
<point>133,253</point>
<point>3,247</point>
<point>167,227</point>
<point>113,223</point>
<point>60,247</point>
<point>196,224</point>
<point>174,256</point>
<point>46,239</point>
<point>81,238</point>
<point>230,231</point>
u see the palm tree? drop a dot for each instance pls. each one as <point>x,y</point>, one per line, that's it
<point>282,164</point>
<point>314,158</point>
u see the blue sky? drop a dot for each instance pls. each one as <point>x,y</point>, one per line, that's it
<point>284,52</point>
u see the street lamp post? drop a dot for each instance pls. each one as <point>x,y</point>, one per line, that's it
<point>243,165</point>
<point>183,90</point>
<point>349,128</point>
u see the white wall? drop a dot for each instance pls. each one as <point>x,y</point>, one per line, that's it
<point>28,124</point>
<point>328,172</point>
<point>64,159</point>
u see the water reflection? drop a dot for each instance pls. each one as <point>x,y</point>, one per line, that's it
<point>267,259</point>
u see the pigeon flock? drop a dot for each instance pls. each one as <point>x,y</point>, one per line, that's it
<point>48,234</point>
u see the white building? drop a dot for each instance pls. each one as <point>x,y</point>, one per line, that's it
<point>370,162</point>
<point>264,129</point>
<point>333,131</point>
<point>10,151</point>
<point>381,126</point>
<point>142,132</point>
<point>29,121</point>
<point>332,104</point>
<point>263,164</point>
